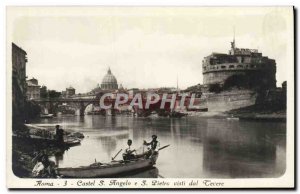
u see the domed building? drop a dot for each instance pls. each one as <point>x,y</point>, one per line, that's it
<point>109,81</point>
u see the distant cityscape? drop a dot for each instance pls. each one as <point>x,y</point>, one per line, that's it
<point>230,81</point>
<point>109,84</point>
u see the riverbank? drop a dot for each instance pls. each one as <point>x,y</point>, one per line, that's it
<point>26,147</point>
<point>247,113</point>
<point>259,113</point>
<point>210,114</point>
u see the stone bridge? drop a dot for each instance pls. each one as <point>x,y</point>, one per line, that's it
<point>51,105</point>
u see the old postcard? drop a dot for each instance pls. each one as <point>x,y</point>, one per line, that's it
<point>150,97</point>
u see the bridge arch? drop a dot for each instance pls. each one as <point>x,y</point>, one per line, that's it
<point>52,105</point>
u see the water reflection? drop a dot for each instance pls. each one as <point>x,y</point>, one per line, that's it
<point>200,147</point>
<point>251,152</point>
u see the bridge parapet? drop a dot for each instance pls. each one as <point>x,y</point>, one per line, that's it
<point>66,100</point>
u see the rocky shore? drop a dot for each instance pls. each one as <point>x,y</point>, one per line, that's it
<point>25,149</point>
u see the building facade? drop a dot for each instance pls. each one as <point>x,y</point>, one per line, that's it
<point>70,91</point>
<point>239,62</point>
<point>33,89</point>
<point>19,60</point>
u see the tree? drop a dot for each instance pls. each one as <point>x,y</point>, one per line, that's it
<point>54,94</point>
<point>44,92</point>
<point>32,110</point>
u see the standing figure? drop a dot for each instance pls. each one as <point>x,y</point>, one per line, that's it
<point>59,134</point>
<point>154,144</point>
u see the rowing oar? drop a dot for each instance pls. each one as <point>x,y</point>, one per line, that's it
<point>163,147</point>
<point>116,155</point>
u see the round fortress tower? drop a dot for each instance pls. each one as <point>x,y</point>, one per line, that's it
<point>218,67</point>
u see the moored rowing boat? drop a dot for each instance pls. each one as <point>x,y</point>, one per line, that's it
<point>113,168</point>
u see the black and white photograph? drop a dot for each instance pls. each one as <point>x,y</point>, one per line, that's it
<point>150,97</point>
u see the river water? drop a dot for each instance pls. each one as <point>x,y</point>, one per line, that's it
<point>199,147</point>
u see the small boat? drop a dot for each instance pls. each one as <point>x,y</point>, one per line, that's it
<point>153,115</point>
<point>46,116</point>
<point>67,142</point>
<point>76,135</point>
<point>71,141</point>
<point>174,114</point>
<point>232,118</point>
<point>113,168</point>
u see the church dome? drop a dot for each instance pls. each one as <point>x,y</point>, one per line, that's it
<point>109,81</point>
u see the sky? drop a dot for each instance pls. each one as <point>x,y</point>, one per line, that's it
<point>144,47</point>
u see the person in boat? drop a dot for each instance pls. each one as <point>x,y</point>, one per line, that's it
<point>128,154</point>
<point>154,145</point>
<point>59,134</point>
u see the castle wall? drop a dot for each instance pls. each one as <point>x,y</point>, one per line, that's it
<point>218,67</point>
<point>226,101</point>
<point>219,76</point>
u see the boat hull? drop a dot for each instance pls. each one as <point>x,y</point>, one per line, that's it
<point>106,170</point>
<point>46,116</point>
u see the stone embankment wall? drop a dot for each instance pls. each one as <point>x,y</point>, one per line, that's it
<point>230,100</point>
